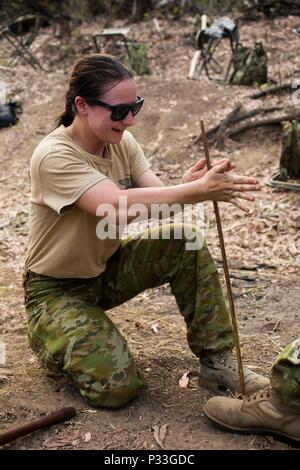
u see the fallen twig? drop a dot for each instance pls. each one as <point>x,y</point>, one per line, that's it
<point>224,124</point>
<point>274,90</point>
<point>52,418</point>
<point>237,117</point>
<point>263,122</point>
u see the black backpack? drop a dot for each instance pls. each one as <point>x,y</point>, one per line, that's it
<point>290,153</point>
<point>9,113</point>
<point>249,65</point>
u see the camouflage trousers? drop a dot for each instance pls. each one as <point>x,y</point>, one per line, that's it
<point>285,374</point>
<point>70,332</point>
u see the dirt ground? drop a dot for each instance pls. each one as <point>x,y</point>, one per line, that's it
<point>262,248</point>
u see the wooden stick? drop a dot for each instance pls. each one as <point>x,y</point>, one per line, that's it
<point>52,418</point>
<point>226,272</point>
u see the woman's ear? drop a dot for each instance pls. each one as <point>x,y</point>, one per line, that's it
<point>81,106</point>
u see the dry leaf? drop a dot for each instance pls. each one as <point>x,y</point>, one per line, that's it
<point>154,327</point>
<point>184,381</point>
<point>3,378</point>
<point>145,445</point>
<point>159,434</point>
<point>179,128</point>
<point>53,445</point>
<point>4,375</point>
<point>87,437</point>
<point>4,371</point>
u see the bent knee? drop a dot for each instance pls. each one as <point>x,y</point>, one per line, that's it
<point>109,393</point>
<point>189,236</point>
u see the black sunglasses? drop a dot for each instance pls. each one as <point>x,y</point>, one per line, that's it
<point>119,111</point>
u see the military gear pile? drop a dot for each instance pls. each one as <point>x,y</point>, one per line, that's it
<point>285,374</point>
<point>290,154</point>
<point>249,65</point>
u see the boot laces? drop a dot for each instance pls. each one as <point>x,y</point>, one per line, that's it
<point>264,393</point>
<point>229,360</point>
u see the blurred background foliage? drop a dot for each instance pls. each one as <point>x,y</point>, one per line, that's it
<point>139,10</point>
<point>83,9</point>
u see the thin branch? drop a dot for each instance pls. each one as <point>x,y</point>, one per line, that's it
<point>263,122</point>
<point>274,90</point>
<point>241,116</point>
<point>224,124</point>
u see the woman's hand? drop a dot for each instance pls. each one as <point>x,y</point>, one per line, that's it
<point>198,170</point>
<point>229,187</point>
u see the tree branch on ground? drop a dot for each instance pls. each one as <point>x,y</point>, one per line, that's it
<point>264,122</point>
<point>236,115</point>
<point>274,90</point>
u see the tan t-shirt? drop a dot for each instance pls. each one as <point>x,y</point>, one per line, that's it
<point>62,238</point>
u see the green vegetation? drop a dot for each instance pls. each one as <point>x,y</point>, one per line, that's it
<point>138,57</point>
<point>217,4</point>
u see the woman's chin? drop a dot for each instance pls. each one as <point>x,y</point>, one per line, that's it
<point>116,135</point>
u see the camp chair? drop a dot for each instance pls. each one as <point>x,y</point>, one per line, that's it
<point>118,36</point>
<point>208,43</point>
<point>20,32</point>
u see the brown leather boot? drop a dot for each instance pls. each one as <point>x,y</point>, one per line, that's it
<point>259,413</point>
<point>220,372</point>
